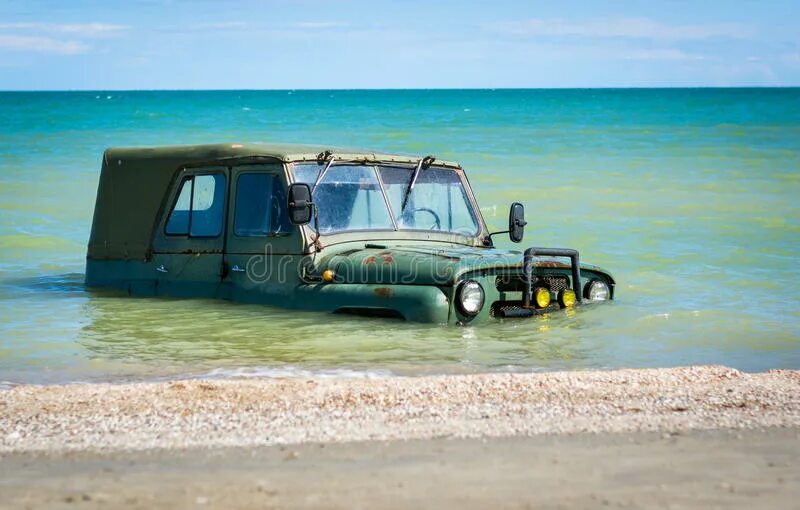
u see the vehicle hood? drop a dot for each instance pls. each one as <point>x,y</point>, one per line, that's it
<point>425,265</point>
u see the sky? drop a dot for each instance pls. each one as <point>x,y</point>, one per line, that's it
<point>353,44</point>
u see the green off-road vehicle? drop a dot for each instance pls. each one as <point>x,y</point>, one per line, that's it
<point>332,230</point>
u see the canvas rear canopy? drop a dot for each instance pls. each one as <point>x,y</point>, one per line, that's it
<point>134,184</point>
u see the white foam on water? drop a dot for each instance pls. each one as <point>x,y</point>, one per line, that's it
<point>291,371</point>
<point>217,373</point>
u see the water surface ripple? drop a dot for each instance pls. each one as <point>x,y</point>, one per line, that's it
<point>690,197</point>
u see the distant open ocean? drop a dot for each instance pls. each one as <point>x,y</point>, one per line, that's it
<point>690,197</point>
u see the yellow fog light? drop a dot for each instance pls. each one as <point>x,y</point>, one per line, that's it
<point>567,298</point>
<point>542,297</point>
<point>328,275</point>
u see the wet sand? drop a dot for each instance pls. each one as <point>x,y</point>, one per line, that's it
<point>702,470</point>
<point>696,437</point>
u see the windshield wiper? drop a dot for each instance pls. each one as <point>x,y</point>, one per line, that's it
<point>423,163</point>
<point>321,157</point>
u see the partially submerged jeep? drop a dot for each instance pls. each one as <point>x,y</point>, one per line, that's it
<point>334,230</point>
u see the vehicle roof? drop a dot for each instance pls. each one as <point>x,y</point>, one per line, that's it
<point>134,182</point>
<point>285,152</point>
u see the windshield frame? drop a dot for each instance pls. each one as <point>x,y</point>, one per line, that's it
<point>469,198</point>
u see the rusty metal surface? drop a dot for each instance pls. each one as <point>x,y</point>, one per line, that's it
<point>383,292</point>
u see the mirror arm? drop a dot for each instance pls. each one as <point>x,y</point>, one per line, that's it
<point>498,232</point>
<point>487,241</point>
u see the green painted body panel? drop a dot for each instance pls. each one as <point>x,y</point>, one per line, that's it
<point>419,303</point>
<point>421,263</point>
<point>405,273</point>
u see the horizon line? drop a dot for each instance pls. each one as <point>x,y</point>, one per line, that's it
<point>390,89</point>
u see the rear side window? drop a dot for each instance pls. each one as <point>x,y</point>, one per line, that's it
<point>198,211</point>
<point>260,206</point>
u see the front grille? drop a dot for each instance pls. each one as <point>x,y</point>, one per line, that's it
<point>514,283</point>
<point>499,308</point>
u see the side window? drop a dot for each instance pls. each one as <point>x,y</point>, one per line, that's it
<point>178,223</point>
<point>260,206</point>
<point>198,211</point>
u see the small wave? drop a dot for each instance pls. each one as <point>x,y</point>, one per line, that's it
<point>7,385</point>
<point>217,373</point>
<point>278,372</point>
<point>66,282</point>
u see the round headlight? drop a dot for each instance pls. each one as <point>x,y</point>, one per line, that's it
<point>469,297</point>
<point>597,291</point>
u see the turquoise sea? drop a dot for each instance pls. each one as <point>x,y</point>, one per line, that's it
<point>690,197</point>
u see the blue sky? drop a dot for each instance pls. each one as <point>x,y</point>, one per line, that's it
<point>176,44</point>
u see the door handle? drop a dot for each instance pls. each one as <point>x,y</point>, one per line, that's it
<point>237,269</point>
<point>162,269</point>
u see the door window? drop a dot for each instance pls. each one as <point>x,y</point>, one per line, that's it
<point>260,206</point>
<point>198,211</point>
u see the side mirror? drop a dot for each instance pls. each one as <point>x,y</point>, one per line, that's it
<point>516,222</point>
<point>300,204</point>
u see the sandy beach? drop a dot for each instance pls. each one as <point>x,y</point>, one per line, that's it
<point>693,437</point>
<point>263,412</point>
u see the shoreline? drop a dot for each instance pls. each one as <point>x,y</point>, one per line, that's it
<point>693,437</point>
<point>265,412</point>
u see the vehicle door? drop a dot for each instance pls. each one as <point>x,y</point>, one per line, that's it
<point>262,249</point>
<point>190,238</point>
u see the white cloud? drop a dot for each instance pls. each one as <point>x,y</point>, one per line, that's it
<point>627,28</point>
<point>54,38</point>
<point>669,54</point>
<point>75,29</point>
<point>224,25</point>
<point>318,25</point>
<point>41,45</point>
<point>792,58</point>
<point>301,27</point>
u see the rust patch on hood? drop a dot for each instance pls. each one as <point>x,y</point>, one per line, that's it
<point>551,264</point>
<point>383,292</point>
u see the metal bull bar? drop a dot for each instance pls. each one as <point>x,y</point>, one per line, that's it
<point>527,268</point>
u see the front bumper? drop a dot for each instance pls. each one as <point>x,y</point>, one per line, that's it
<point>527,309</point>
<point>509,290</point>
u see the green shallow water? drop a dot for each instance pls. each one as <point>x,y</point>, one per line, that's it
<point>689,197</point>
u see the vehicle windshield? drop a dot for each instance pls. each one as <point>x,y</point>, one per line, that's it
<point>366,197</point>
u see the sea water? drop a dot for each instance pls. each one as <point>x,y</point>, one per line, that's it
<point>690,197</point>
